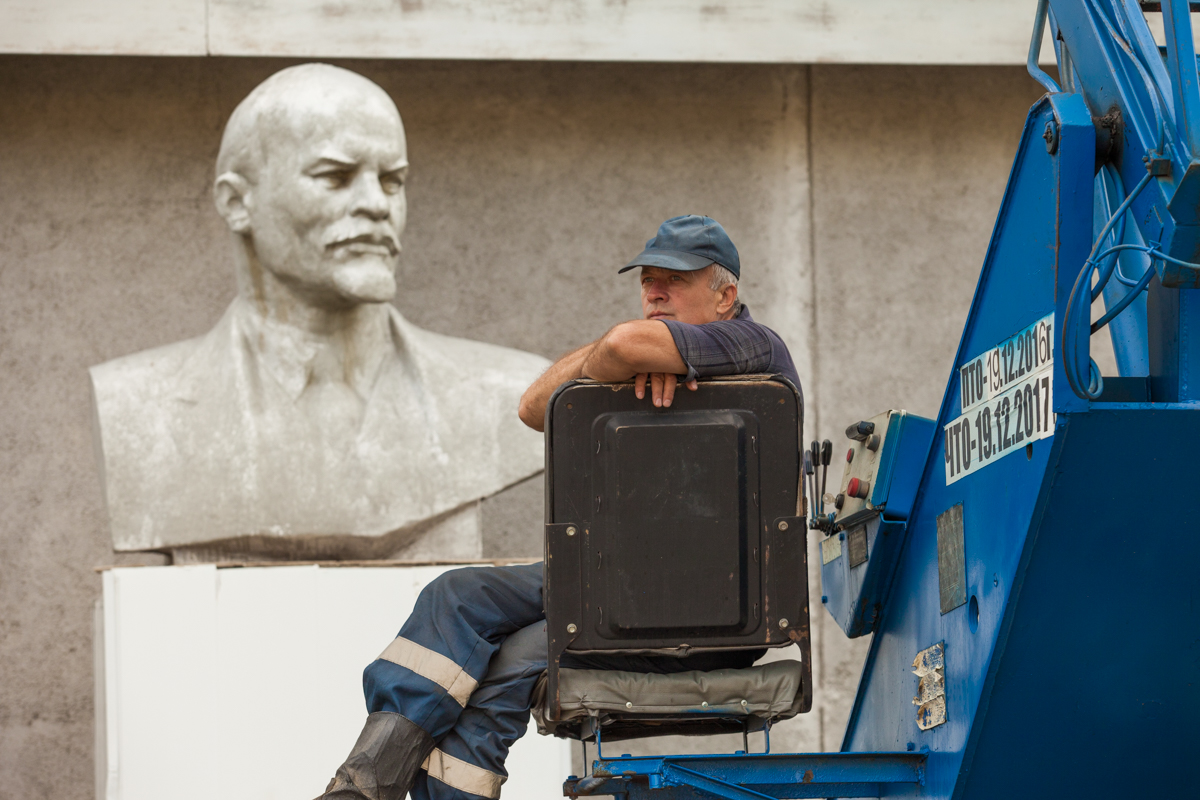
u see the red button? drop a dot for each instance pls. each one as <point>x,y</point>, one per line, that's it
<point>857,488</point>
<point>849,455</point>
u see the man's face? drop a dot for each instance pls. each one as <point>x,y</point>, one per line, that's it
<point>328,208</point>
<point>681,296</point>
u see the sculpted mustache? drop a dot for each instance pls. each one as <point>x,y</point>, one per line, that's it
<point>367,238</point>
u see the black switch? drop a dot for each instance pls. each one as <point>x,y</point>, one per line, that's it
<point>859,431</point>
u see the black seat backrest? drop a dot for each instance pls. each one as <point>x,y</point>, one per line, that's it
<point>674,530</point>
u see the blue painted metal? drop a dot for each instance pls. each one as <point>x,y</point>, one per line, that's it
<point>1035,49</point>
<point>854,596</point>
<point>1121,71</point>
<point>1071,646</point>
<point>1156,104</point>
<point>905,449</point>
<point>1128,329</point>
<point>747,777</point>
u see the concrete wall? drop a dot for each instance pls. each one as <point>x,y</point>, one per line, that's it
<point>861,199</point>
<point>758,31</point>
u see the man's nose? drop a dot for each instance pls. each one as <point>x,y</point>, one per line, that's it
<point>656,291</point>
<point>370,200</point>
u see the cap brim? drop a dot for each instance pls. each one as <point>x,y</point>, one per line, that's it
<point>668,259</point>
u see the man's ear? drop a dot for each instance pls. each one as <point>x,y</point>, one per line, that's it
<point>729,294</point>
<point>231,193</point>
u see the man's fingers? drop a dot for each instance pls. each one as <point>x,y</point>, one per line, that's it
<point>639,385</point>
<point>669,382</point>
<point>656,388</point>
<point>693,385</point>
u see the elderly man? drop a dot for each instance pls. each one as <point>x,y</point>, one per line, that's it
<point>444,695</point>
<point>313,420</point>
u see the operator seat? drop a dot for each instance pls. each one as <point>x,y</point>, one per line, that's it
<point>672,532</point>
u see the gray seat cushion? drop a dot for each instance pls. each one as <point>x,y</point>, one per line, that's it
<point>766,692</point>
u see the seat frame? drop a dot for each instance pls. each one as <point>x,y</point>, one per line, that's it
<point>780,579</point>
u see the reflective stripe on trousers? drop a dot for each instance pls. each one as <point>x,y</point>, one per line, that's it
<point>434,666</point>
<point>458,774</point>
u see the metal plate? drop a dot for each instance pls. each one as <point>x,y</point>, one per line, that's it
<point>856,545</point>
<point>952,570</point>
<point>831,549</point>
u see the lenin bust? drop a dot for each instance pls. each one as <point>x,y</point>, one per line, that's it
<point>313,420</point>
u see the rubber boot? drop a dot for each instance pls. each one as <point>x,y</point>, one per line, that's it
<point>384,761</point>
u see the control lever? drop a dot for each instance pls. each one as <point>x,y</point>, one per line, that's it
<point>826,456</point>
<point>814,451</point>
<point>808,485</point>
<point>818,455</point>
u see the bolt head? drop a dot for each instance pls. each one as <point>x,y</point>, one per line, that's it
<point>783,525</point>
<point>704,704</point>
<point>571,628</point>
<point>570,530</point>
<point>783,623</point>
<point>628,704</point>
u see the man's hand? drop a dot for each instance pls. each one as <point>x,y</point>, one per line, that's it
<point>662,387</point>
<point>639,348</point>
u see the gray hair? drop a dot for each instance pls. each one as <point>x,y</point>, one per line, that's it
<point>720,277</point>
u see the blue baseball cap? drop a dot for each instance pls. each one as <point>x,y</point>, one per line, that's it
<point>689,243</point>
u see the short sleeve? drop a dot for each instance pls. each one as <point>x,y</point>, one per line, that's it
<point>725,347</point>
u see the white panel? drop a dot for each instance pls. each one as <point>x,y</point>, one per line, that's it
<point>160,663</point>
<point>112,27</point>
<point>781,31</point>
<point>283,684</point>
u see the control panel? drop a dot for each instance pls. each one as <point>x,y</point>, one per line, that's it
<point>883,460</point>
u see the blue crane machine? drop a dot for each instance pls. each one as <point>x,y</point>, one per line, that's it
<point>1027,561</point>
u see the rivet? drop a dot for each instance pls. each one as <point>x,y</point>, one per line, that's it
<point>783,623</point>
<point>628,704</point>
<point>704,704</point>
<point>571,628</point>
<point>570,530</point>
<point>783,524</point>
<point>744,704</point>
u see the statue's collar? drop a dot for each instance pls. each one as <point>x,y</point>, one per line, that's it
<point>294,359</point>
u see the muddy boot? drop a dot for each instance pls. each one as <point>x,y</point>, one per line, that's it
<point>384,761</point>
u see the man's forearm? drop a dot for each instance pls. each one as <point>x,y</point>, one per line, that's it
<point>631,348</point>
<point>567,368</point>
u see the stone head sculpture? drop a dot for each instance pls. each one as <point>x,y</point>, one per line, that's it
<point>310,179</point>
<point>313,420</point>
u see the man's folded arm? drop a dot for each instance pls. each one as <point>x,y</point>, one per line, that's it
<point>533,403</point>
<point>637,347</point>
<point>631,348</point>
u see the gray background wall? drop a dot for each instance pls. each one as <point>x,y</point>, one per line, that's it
<point>861,199</point>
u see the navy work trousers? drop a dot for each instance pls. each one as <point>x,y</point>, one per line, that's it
<point>448,672</point>
<point>442,673</point>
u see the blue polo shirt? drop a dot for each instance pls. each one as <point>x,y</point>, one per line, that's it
<point>738,346</point>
